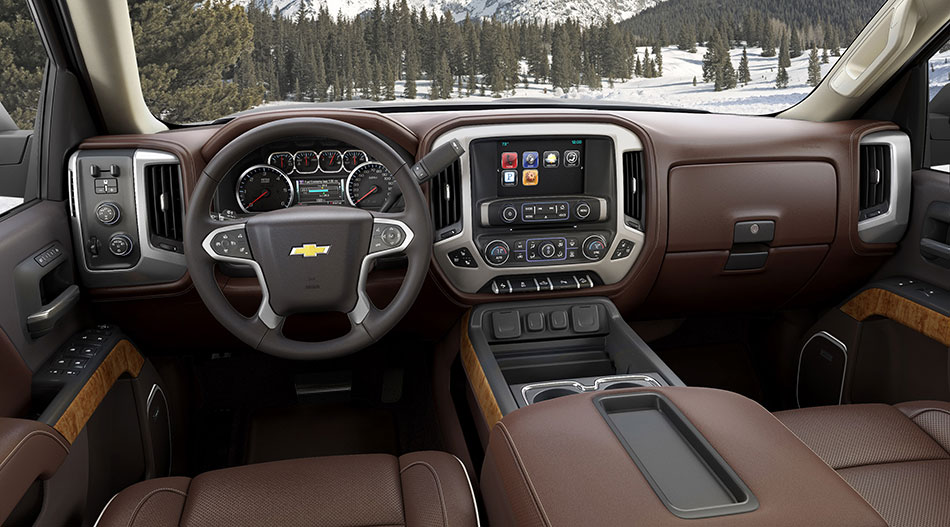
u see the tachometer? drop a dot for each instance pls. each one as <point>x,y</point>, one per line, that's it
<point>369,185</point>
<point>331,161</point>
<point>353,159</point>
<point>262,188</point>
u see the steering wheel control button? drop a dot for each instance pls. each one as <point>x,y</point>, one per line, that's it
<point>595,247</point>
<point>506,324</point>
<point>509,214</point>
<point>582,210</point>
<point>462,257</point>
<point>120,245</point>
<point>108,213</point>
<point>623,250</point>
<point>393,236</point>
<point>497,252</point>
<point>231,243</point>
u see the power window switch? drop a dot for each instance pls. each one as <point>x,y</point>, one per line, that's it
<point>72,372</point>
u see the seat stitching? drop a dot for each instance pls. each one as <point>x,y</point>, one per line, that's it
<point>913,419</point>
<point>25,439</point>
<point>438,484</point>
<point>149,496</point>
<point>524,473</point>
<point>894,462</point>
<point>920,411</point>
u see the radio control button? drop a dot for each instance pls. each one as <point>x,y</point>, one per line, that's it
<point>582,210</point>
<point>509,214</point>
<point>497,252</point>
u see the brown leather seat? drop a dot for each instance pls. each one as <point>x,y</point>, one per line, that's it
<point>427,489</point>
<point>896,457</point>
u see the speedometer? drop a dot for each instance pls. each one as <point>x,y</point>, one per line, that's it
<point>369,185</point>
<point>262,188</point>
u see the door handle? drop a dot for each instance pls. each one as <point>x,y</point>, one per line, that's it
<point>934,248</point>
<point>43,321</point>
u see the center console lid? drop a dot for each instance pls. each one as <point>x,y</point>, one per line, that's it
<point>660,456</point>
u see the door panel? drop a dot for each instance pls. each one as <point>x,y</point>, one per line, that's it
<point>25,236</point>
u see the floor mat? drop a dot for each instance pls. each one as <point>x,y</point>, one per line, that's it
<point>319,430</point>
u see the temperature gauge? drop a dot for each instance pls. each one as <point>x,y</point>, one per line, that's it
<point>353,159</point>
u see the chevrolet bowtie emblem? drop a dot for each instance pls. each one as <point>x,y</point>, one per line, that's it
<point>309,250</point>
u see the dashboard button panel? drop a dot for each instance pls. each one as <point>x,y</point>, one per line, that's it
<point>541,283</point>
<point>536,211</point>
<point>523,251</point>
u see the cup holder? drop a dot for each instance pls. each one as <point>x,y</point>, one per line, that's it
<point>536,393</point>
<point>552,393</point>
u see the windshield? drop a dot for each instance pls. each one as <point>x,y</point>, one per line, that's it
<point>206,60</point>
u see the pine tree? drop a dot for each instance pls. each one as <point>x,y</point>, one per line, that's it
<point>637,66</point>
<point>768,41</point>
<point>814,68</point>
<point>658,59</point>
<point>745,76</point>
<point>824,56</point>
<point>783,57</point>
<point>694,80</point>
<point>781,78</point>
<point>795,47</point>
<point>728,75</point>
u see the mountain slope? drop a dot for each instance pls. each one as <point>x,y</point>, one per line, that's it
<point>584,11</point>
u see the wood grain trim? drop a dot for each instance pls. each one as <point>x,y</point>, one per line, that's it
<point>476,378</point>
<point>899,309</point>
<point>123,358</point>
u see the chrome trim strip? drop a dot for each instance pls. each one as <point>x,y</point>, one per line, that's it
<point>834,340</point>
<point>363,303</point>
<point>148,403</point>
<point>237,187</point>
<point>265,312</point>
<point>478,520</point>
<point>470,280</point>
<point>890,226</point>
<point>599,384</point>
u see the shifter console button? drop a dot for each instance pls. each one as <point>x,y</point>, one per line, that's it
<point>506,324</point>
<point>562,283</point>
<point>559,320</point>
<point>585,319</point>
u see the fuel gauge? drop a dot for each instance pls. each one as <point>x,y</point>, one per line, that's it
<point>353,159</point>
<point>283,161</point>
<point>331,161</point>
<point>305,161</point>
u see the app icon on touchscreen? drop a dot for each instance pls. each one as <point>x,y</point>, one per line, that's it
<point>509,160</point>
<point>572,158</point>
<point>530,160</point>
<point>529,178</point>
<point>551,158</point>
<point>509,178</point>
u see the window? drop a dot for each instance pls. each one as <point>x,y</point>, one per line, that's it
<point>201,60</point>
<point>22,64</point>
<point>938,112</point>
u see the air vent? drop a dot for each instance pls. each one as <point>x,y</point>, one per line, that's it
<point>446,201</point>
<point>164,206</point>
<point>875,191</point>
<point>634,191</point>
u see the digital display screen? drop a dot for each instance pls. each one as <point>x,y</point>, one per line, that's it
<point>540,167</point>
<point>320,192</point>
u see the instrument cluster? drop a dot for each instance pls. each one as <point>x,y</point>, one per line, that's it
<point>310,173</point>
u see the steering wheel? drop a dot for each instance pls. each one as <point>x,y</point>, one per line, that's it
<point>308,259</point>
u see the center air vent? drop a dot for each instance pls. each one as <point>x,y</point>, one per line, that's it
<point>875,174</point>
<point>446,201</point>
<point>634,191</point>
<point>164,206</point>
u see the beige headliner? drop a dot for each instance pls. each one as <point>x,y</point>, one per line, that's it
<point>104,33</point>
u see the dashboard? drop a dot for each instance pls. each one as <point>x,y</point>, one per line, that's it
<point>306,171</point>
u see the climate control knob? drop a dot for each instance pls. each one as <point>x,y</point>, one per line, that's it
<point>120,245</point>
<point>497,252</point>
<point>547,250</point>
<point>595,247</point>
<point>108,213</point>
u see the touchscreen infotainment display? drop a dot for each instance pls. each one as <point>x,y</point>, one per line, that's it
<point>540,167</point>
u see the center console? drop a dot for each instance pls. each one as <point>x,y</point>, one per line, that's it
<point>545,207</point>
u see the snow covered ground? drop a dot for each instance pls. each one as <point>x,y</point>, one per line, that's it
<point>675,88</point>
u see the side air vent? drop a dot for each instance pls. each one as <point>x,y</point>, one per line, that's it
<point>164,206</point>
<point>634,191</point>
<point>875,174</point>
<point>445,196</point>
